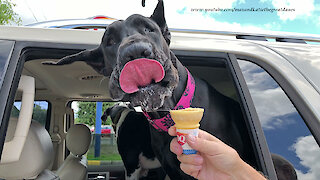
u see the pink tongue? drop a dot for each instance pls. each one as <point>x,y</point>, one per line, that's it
<point>140,73</point>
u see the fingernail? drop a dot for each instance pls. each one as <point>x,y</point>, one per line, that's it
<point>191,138</point>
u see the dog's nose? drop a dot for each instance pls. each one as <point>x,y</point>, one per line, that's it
<point>135,51</point>
<point>146,53</point>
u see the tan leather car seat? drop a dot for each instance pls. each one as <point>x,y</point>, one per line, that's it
<point>78,140</point>
<point>36,155</point>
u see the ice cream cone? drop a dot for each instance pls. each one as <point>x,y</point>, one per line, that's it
<point>187,122</point>
<point>188,118</point>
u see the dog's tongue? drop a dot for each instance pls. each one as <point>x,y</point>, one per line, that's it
<point>140,73</point>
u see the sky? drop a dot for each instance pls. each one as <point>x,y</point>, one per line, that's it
<point>228,15</point>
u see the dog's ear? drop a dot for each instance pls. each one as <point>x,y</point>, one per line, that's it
<point>114,112</point>
<point>93,58</point>
<point>158,17</point>
<point>105,115</point>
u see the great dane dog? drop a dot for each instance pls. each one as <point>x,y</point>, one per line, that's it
<point>146,73</point>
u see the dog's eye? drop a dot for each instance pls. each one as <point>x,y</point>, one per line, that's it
<point>147,30</point>
<point>111,42</point>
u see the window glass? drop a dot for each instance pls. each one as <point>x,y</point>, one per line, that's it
<point>105,151</point>
<point>286,133</point>
<point>5,51</point>
<point>40,110</point>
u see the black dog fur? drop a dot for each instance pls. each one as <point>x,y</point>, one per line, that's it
<point>134,143</point>
<point>143,37</point>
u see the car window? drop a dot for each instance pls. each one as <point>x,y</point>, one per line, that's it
<point>5,51</point>
<point>103,152</point>
<point>40,112</point>
<point>286,132</point>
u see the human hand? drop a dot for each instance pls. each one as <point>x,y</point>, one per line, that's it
<point>215,160</point>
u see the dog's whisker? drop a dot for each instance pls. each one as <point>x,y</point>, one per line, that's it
<point>103,78</point>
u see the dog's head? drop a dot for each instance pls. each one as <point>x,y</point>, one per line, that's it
<point>115,113</point>
<point>135,52</point>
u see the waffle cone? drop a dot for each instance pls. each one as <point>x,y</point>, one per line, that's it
<point>188,118</point>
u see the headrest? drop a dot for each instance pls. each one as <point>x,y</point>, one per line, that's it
<point>36,155</point>
<point>78,139</point>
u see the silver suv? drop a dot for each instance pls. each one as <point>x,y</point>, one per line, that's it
<point>275,78</point>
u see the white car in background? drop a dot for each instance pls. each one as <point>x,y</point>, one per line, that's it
<point>275,78</point>
<point>92,23</point>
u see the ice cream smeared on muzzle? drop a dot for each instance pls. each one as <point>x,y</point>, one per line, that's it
<point>140,73</point>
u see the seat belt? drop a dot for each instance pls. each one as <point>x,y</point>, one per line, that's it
<point>56,141</point>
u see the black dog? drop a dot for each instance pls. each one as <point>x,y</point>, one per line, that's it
<point>139,42</point>
<point>134,143</point>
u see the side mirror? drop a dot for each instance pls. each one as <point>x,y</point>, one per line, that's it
<point>12,149</point>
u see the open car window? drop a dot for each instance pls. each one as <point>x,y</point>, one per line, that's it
<point>103,152</point>
<point>85,113</point>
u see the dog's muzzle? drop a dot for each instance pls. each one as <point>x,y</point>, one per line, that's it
<point>144,76</point>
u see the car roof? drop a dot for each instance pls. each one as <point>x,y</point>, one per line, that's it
<point>70,35</point>
<point>304,58</point>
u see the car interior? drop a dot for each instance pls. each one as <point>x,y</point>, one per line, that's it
<point>59,149</point>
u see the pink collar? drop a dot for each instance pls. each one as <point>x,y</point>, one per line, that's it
<point>163,124</point>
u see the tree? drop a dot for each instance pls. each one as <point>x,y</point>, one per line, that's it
<point>15,112</point>
<point>87,113</point>
<point>7,15</point>
<point>39,114</point>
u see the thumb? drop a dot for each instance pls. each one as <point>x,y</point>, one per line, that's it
<point>205,146</point>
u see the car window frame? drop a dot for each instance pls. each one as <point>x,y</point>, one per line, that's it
<point>253,119</point>
<point>8,90</point>
<point>307,115</point>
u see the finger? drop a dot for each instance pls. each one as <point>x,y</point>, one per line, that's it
<point>194,159</point>
<point>175,147</point>
<point>208,147</point>
<point>172,131</point>
<point>204,135</point>
<point>190,169</point>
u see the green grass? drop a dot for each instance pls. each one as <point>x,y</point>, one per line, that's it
<point>105,157</point>
<point>108,151</point>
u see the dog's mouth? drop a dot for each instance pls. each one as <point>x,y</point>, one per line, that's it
<point>145,82</point>
<point>139,74</point>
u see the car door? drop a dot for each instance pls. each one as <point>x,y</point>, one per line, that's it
<point>281,126</point>
<point>289,125</point>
